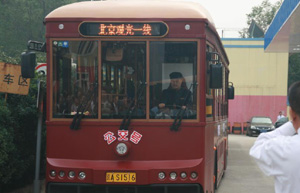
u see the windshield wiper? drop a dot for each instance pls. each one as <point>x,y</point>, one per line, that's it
<point>127,117</point>
<point>177,121</point>
<point>82,107</point>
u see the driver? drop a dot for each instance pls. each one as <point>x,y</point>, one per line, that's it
<point>177,95</point>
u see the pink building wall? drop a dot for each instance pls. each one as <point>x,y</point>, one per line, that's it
<point>242,108</point>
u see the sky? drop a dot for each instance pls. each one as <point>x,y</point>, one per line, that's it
<point>230,15</point>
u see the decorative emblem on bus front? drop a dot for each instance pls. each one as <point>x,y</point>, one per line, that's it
<point>123,135</point>
<point>110,137</point>
<point>135,137</point>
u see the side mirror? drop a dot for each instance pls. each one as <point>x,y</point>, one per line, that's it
<point>231,91</point>
<point>216,76</point>
<point>28,62</point>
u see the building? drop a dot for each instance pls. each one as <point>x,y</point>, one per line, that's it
<point>260,79</point>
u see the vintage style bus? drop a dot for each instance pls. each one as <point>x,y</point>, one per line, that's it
<point>137,98</point>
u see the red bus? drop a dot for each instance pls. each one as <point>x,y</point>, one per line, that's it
<point>117,121</point>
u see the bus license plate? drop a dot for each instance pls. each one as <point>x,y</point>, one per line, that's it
<point>120,177</point>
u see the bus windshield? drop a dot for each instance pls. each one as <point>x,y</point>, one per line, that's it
<point>75,70</point>
<point>123,73</point>
<point>173,69</point>
<point>122,79</point>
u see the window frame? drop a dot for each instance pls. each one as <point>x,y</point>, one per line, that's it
<point>196,77</point>
<point>50,77</point>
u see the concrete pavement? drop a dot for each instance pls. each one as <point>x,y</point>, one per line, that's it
<point>242,174</point>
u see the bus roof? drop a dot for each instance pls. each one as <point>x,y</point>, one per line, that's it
<point>132,9</point>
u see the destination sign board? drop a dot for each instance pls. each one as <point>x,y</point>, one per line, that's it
<point>104,29</point>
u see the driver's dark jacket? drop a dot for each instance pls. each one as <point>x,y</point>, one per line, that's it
<point>175,99</point>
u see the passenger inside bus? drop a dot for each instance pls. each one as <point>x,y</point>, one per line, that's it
<point>75,104</point>
<point>164,80</point>
<point>177,96</point>
<point>106,104</point>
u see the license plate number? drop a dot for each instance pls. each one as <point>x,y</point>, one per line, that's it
<point>120,177</point>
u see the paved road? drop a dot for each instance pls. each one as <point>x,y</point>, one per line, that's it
<point>242,174</point>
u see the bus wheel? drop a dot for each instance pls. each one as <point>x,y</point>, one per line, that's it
<point>225,163</point>
<point>216,171</point>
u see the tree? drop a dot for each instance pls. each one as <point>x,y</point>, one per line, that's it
<point>17,139</point>
<point>7,146</point>
<point>262,15</point>
<point>294,68</point>
<point>22,20</point>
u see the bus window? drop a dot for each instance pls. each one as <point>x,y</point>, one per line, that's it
<point>75,65</point>
<point>123,77</point>
<point>173,69</point>
<point>210,111</point>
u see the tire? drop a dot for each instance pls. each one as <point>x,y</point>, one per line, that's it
<point>216,171</point>
<point>225,163</point>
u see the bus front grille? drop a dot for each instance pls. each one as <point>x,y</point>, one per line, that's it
<point>156,188</point>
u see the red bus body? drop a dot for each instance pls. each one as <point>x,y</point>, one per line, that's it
<point>200,146</point>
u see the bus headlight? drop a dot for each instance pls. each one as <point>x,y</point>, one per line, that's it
<point>173,176</point>
<point>194,175</point>
<point>61,174</point>
<point>183,175</point>
<point>82,175</point>
<point>52,173</point>
<point>71,174</point>
<point>161,175</point>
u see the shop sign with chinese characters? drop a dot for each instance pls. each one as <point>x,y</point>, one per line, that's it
<point>11,80</point>
<point>123,29</point>
<point>123,135</point>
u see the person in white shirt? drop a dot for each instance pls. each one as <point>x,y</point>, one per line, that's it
<point>277,153</point>
<point>280,115</point>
